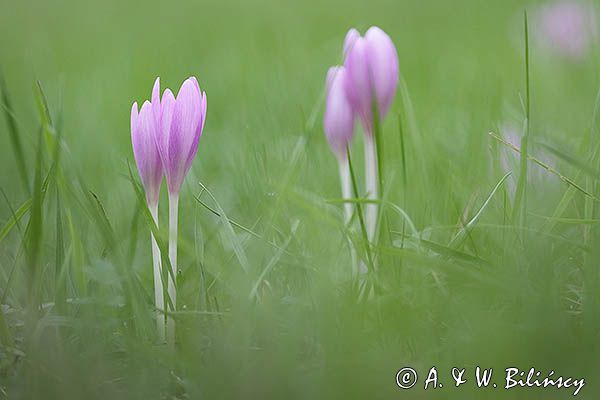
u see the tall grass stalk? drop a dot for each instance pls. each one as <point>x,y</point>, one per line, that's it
<point>520,208</point>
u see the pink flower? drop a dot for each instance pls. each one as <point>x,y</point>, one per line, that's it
<point>179,123</point>
<point>566,27</point>
<point>338,122</point>
<point>145,151</point>
<point>371,73</point>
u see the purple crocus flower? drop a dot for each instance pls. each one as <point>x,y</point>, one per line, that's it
<point>149,164</point>
<point>372,73</point>
<point>145,151</point>
<point>371,79</point>
<point>338,122</point>
<point>178,126</point>
<point>179,123</point>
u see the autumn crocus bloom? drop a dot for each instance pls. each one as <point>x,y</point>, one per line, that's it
<point>566,27</point>
<point>150,168</point>
<point>371,64</point>
<point>145,151</point>
<point>179,122</point>
<point>372,73</point>
<point>338,124</point>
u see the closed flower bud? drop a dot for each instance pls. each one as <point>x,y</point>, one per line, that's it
<point>372,73</point>
<point>338,122</point>
<point>179,122</point>
<point>145,151</point>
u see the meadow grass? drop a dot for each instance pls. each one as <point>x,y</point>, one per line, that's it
<point>475,265</point>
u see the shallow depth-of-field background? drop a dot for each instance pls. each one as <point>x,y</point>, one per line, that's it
<point>521,292</point>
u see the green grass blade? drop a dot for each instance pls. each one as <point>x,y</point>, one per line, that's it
<point>450,252</point>
<point>359,211</point>
<point>14,219</point>
<point>35,232</point>
<point>584,167</point>
<point>60,294</point>
<point>232,222</point>
<point>77,258</point>
<point>378,138</point>
<point>161,240</point>
<point>229,233</point>
<point>274,260</point>
<point>23,208</point>
<point>14,134</point>
<point>548,168</point>
<point>464,231</point>
<point>520,206</point>
<point>101,217</point>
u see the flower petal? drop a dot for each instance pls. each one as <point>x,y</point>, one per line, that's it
<point>198,134</point>
<point>338,121</point>
<point>358,82</point>
<point>145,151</point>
<point>135,137</point>
<point>186,120</point>
<point>383,67</point>
<point>162,132</point>
<point>350,39</point>
<point>156,102</point>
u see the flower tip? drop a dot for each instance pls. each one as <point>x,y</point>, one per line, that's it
<point>375,29</point>
<point>168,93</point>
<point>195,81</point>
<point>156,91</point>
<point>338,120</point>
<point>331,74</point>
<point>134,117</point>
<point>350,39</point>
<point>377,35</point>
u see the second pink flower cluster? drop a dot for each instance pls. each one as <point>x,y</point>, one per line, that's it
<point>365,82</point>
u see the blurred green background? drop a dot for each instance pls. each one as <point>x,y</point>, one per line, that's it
<point>509,294</point>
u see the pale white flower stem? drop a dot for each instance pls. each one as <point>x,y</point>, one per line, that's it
<point>345,181</point>
<point>346,185</point>
<point>371,184</point>
<point>172,288</point>
<point>159,300</point>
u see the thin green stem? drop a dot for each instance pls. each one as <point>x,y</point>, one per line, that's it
<point>361,220</point>
<point>520,207</point>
